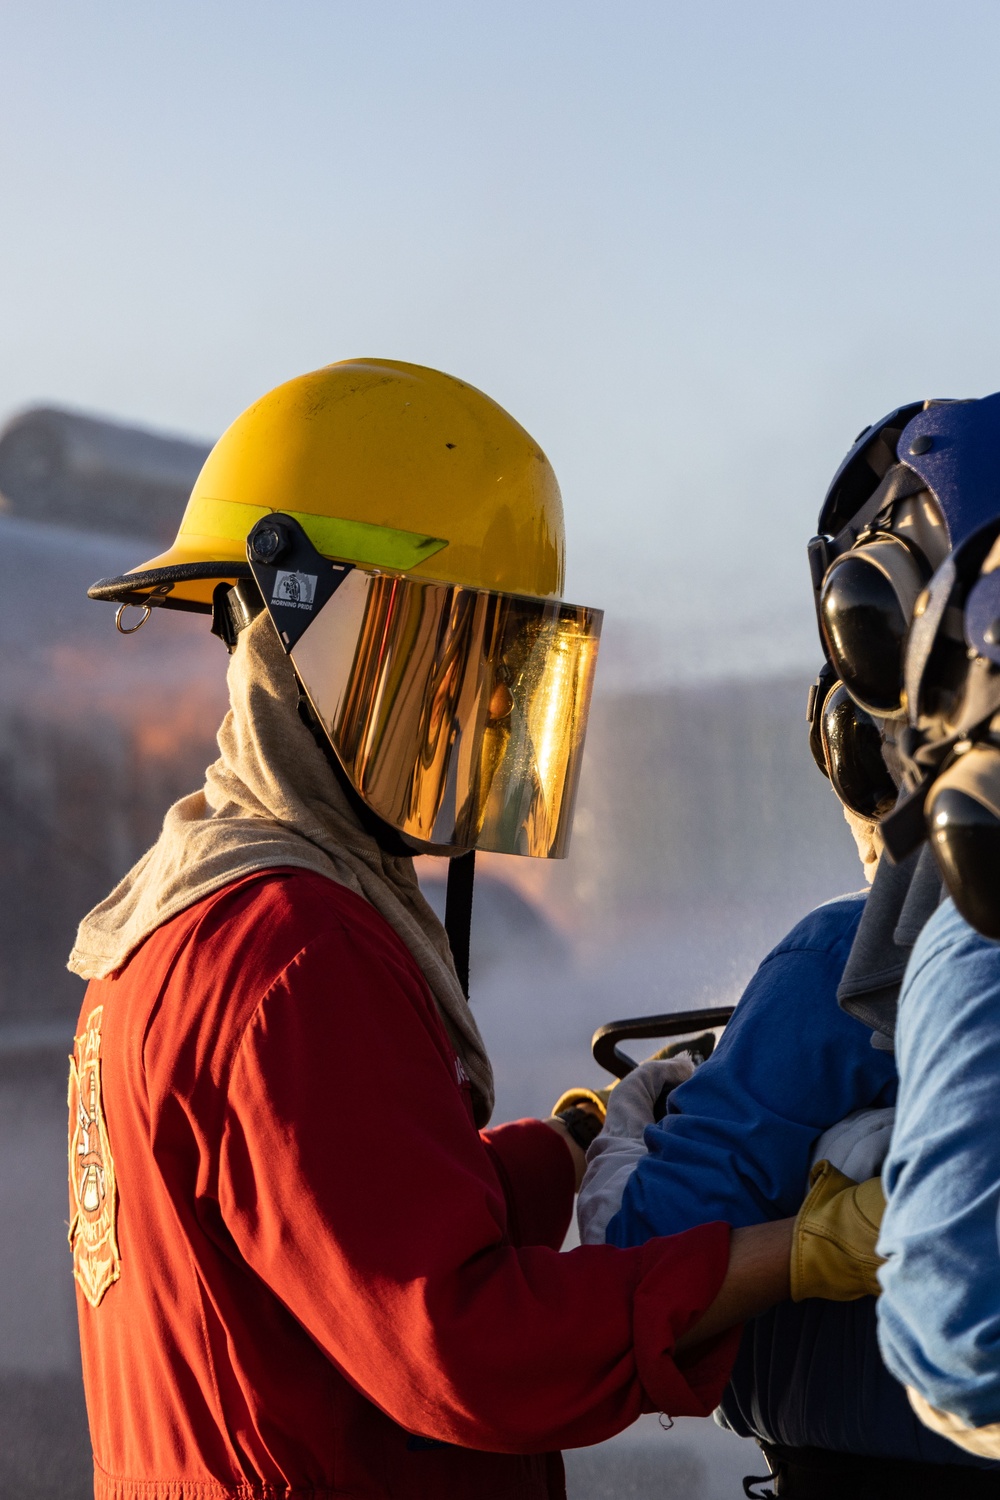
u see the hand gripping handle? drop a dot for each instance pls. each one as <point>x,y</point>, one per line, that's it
<point>679,1023</point>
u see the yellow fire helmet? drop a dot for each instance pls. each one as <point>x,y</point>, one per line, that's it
<point>405,536</point>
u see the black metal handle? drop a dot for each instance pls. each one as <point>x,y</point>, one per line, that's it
<point>641,1028</point>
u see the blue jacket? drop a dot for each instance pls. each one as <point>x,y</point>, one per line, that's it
<point>939,1315</point>
<point>736,1145</point>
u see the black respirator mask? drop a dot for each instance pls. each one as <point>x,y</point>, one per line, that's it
<point>846,744</point>
<point>866,581</point>
<point>952,744</point>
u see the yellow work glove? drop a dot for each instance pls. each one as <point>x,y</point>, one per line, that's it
<point>596,1099</point>
<point>833,1245</point>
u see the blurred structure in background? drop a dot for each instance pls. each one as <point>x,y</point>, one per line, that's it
<point>703,831</point>
<point>99,733</point>
<point>69,469</point>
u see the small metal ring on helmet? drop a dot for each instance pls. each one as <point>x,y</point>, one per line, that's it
<point>154,597</point>
<point>147,610</point>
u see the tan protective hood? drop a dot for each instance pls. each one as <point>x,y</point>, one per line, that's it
<point>271,800</point>
<point>868,838</point>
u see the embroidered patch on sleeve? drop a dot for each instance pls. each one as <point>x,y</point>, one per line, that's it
<point>93,1192</point>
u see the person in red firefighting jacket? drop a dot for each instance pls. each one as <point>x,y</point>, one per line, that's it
<point>304,1267</point>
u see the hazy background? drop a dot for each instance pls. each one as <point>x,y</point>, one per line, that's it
<point>693,248</point>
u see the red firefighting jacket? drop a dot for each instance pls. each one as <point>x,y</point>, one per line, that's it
<point>301,1270</point>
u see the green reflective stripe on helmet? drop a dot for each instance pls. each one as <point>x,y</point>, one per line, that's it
<point>357,541</point>
<point>354,541</point>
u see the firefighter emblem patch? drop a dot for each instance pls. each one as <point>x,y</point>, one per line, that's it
<point>93,1192</point>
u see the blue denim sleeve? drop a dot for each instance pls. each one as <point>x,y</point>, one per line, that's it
<point>737,1140</point>
<point>939,1315</point>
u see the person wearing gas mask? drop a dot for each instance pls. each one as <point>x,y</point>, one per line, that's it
<point>304,1267</point>
<point>939,1315</point>
<point>805,1070</point>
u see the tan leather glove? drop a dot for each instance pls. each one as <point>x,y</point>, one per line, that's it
<point>596,1099</point>
<point>833,1244</point>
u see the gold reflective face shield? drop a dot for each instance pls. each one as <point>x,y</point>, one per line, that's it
<point>459,715</point>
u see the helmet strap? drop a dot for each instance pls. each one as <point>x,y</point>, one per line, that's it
<point>458,913</point>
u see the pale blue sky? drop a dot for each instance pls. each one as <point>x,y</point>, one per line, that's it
<point>692,247</point>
